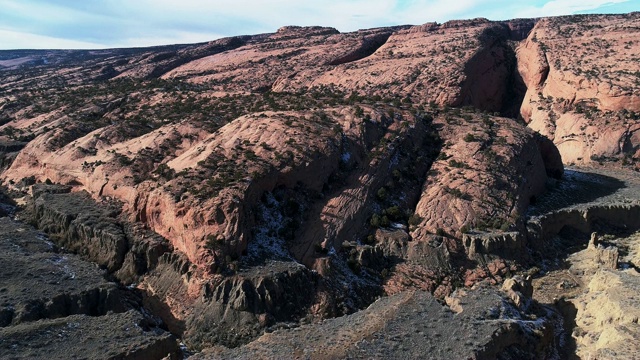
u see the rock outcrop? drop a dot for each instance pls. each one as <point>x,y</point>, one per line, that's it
<point>607,314</point>
<point>581,75</point>
<point>607,257</point>
<point>77,224</point>
<point>55,305</point>
<point>233,310</point>
<point>410,325</point>
<point>485,177</point>
<point>118,336</point>
<point>598,301</point>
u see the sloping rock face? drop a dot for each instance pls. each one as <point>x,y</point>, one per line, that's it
<point>582,79</point>
<point>456,63</point>
<point>410,325</point>
<point>117,336</point>
<point>485,176</point>
<point>472,203</point>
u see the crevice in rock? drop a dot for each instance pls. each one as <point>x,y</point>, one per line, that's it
<point>519,29</point>
<point>492,84</point>
<point>186,57</point>
<point>514,97</point>
<point>368,46</point>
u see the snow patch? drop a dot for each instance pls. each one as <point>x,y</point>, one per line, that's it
<point>266,242</point>
<point>398,226</point>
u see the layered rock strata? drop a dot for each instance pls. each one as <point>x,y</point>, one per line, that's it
<point>55,305</point>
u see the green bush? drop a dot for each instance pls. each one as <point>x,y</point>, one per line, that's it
<point>382,194</point>
<point>414,220</point>
<point>375,221</point>
<point>470,138</point>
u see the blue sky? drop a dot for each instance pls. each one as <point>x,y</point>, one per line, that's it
<point>31,24</point>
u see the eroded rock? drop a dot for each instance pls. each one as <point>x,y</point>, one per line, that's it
<point>580,74</point>
<point>56,305</point>
<point>410,324</point>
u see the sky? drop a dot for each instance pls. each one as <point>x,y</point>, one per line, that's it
<point>96,24</point>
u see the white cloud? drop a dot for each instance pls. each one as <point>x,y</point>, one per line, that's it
<point>565,7</point>
<point>21,40</point>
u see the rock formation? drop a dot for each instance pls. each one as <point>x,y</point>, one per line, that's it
<point>581,74</point>
<point>251,183</point>
<point>55,305</point>
<point>410,325</point>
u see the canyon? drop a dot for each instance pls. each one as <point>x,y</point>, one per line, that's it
<point>405,191</point>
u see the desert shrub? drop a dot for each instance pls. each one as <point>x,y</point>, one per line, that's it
<point>394,213</point>
<point>414,220</point>
<point>470,138</point>
<point>458,164</point>
<point>382,194</point>
<point>375,221</point>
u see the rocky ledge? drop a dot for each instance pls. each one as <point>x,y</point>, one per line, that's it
<point>56,305</point>
<point>482,323</point>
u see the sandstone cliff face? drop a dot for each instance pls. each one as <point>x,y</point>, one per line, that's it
<point>268,59</point>
<point>445,64</point>
<point>484,178</point>
<point>456,63</point>
<point>581,75</point>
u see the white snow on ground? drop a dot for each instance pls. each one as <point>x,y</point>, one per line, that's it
<point>46,241</point>
<point>394,160</point>
<point>398,226</point>
<point>266,241</point>
<point>60,261</point>
<point>573,178</point>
